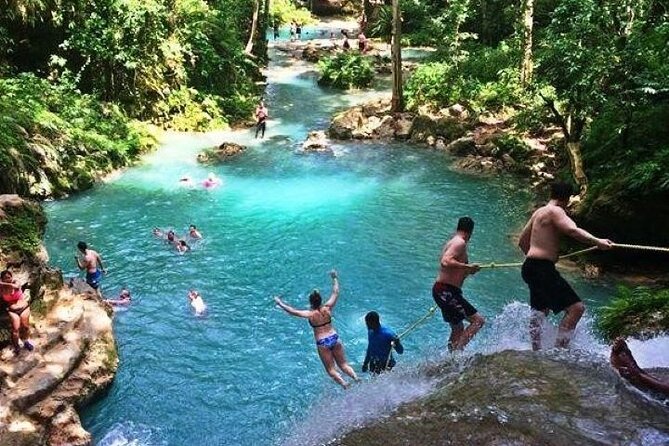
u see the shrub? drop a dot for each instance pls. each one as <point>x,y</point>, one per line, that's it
<point>641,312</point>
<point>285,11</point>
<point>434,83</point>
<point>346,70</point>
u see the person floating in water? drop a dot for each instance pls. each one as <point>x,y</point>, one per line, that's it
<point>329,346</point>
<point>211,181</point>
<point>454,267</point>
<point>18,309</point>
<point>381,341</point>
<point>261,117</point>
<point>124,298</point>
<point>92,263</point>
<point>623,361</point>
<point>196,302</point>
<point>194,233</point>
<point>182,246</point>
<point>540,242</point>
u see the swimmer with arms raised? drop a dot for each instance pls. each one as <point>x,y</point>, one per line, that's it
<point>329,346</point>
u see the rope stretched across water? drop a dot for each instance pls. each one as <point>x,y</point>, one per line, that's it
<point>411,328</point>
<point>582,251</point>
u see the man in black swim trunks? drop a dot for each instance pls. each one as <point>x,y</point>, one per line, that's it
<point>453,269</point>
<point>540,241</point>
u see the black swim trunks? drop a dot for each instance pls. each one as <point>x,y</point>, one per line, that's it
<point>548,290</point>
<point>454,307</point>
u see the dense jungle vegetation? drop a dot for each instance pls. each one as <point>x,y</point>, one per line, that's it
<point>595,69</point>
<point>77,77</point>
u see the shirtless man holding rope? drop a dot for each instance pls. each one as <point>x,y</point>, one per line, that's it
<point>540,241</point>
<point>454,267</point>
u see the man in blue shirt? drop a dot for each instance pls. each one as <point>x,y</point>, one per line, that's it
<point>381,341</point>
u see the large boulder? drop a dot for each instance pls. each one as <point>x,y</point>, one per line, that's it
<point>221,153</point>
<point>327,7</point>
<point>521,398</point>
<point>345,123</point>
<point>403,125</point>
<point>317,142</point>
<point>462,146</point>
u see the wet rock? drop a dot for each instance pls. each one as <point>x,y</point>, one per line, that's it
<point>221,153</point>
<point>345,123</point>
<point>317,142</point>
<point>440,144</point>
<point>462,146</point>
<point>522,398</point>
<point>430,140</point>
<point>403,125</point>
<point>385,128</point>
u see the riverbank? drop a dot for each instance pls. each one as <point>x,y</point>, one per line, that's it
<point>74,358</point>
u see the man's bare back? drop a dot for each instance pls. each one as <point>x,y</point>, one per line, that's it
<point>91,261</point>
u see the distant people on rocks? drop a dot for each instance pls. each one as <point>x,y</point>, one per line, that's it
<point>276,30</point>
<point>540,242</point>
<point>298,30</point>
<point>196,302</point>
<point>293,31</point>
<point>381,341</point>
<point>329,346</point>
<point>454,268</point>
<point>346,45</point>
<point>91,262</point>
<point>18,309</point>
<point>261,118</point>
<point>362,43</point>
<point>124,298</point>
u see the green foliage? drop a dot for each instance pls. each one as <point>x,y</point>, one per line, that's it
<point>51,133</point>
<point>514,146</point>
<point>286,11</point>
<point>346,70</point>
<point>642,312</point>
<point>22,228</point>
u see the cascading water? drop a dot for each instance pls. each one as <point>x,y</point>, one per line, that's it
<point>245,373</point>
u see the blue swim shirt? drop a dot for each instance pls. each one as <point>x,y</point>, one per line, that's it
<point>379,344</point>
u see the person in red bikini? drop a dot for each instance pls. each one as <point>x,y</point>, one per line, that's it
<point>18,309</point>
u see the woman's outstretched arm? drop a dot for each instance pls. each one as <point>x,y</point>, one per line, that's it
<point>290,310</point>
<point>332,301</point>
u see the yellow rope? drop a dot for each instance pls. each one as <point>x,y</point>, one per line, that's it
<point>412,327</point>
<point>582,251</point>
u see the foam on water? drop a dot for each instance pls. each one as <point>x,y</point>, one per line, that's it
<point>131,434</point>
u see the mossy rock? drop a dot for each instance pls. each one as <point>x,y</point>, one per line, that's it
<point>22,225</point>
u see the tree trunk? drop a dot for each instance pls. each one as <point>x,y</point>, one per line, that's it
<point>397,103</point>
<point>254,25</point>
<point>527,22</point>
<point>577,170</point>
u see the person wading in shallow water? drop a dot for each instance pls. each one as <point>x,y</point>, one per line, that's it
<point>261,117</point>
<point>92,263</point>
<point>540,242</point>
<point>329,346</point>
<point>454,267</point>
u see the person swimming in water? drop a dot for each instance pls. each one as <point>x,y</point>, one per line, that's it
<point>18,309</point>
<point>194,233</point>
<point>92,263</point>
<point>124,298</point>
<point>211,181</point>
<point>329,346</point>
<point>182,246</point>
<point>196,302</point>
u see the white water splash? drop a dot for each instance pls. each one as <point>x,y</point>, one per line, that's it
<point>130,434</point>
<point>651,352</point>
<point>335,414</point>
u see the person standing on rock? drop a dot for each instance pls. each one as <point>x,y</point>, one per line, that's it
<point>454,267</point>
<point>381,341</point>
<point>18,309</point>
<point>540,242</point>
<point>329,346</point>
<point>261,117</point>
<point>92,263</point>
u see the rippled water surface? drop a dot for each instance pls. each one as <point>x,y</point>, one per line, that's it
<point>245,373</point>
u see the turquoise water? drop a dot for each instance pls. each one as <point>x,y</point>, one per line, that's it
<point>246,373</point>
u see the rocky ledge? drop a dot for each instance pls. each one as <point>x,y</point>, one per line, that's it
<point>479,143</point>
<point>221,153</point>
<point>523,398</point>
<point>75,354</point>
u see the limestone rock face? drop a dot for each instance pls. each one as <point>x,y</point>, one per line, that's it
<point>522,398</point>
<point>462,146</point>
<point>371,121</point>
<point>221,153</point>
<point>327,7</point>
<point>344,123</point>
<point>73,361</point>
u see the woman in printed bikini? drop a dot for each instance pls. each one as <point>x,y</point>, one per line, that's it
<point>18,309</point>
<point>329,346</point>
